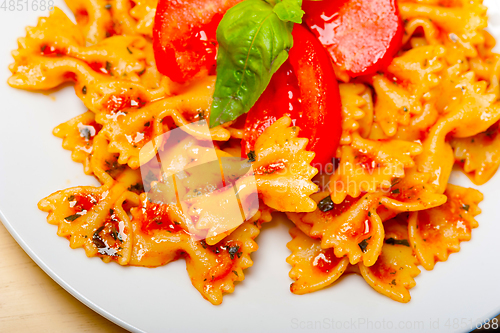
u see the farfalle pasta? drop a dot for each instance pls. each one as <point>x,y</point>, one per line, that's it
<point>381,210</point>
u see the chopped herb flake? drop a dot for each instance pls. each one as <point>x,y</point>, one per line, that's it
<point>364,244</point>
<point>233,250</point>
<point>392,241</point>
<point>251,156</point>
<point>136,188</point>
<point>72,217</point>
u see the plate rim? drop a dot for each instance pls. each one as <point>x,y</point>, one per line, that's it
<point>67,287</point>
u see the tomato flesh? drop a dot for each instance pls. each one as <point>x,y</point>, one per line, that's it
<point>361,36</point>
<point>305,89</point>
<point>184,36</point>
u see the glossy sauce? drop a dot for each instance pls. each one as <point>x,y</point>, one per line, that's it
<point>366,163</point>
<point>326,260</point>
<point>227,253</point>
<point>343,206</point>
<point>47,50</point>
<point>82,202</point>
<point>109,238</point>
<point>270,168</point>
<point>120,102</point>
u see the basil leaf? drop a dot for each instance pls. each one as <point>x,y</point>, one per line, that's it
<point>253,43</point>
<point>289,10</point>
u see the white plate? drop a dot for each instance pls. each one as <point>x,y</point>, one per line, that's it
<point>462,291</point>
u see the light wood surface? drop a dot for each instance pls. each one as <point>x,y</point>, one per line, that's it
<point>30,301</point>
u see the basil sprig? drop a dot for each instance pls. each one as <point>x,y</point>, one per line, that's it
<point>254,39</point>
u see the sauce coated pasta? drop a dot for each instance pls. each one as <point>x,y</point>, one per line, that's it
<point>381,210</point>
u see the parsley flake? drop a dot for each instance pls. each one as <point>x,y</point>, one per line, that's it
<point>392,241</point>
<point>72,217</point>
<point>233,250</point>
<point>251,156</point>
<point>364,244</point>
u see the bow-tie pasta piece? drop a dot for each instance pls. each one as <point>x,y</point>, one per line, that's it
<point>123,22</point>
<point>357,110</point>
<point>437,232</point>
<point>57,36</point>
<point>313,268</point>
<point>161,235</point>
<point>78,137</point>
<point>104,165</point>
<point>463,21</point>
<point>394,105</point>
<point>352,228</point>
<point>124,56</point>
<point>144,12</point>
<point>93,218</point>
<point>131,129</point>
<point>93,18</point>
<point>108,75</point>
<point>418,69</point>
<point>283,168</point>
<point>412,193</point>
<point>51,36</point>
<point>467,109</point>
<point>487,68</point>
<point>415,25</point>
<point>370,165</point>
<point>479,155</point>
<point>392,275</point>
<point>213,269</point>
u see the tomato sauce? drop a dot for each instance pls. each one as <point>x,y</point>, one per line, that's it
<point>326,260</point>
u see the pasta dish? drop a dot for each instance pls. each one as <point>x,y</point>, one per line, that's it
<point>347,116</point>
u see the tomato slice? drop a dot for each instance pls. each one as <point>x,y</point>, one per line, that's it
<point>304,88</point>
<point>362,36</point>
<point>184,36</point>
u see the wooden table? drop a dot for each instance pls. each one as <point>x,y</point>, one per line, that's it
<point>30,301</point>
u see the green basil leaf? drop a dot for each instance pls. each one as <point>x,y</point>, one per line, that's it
<point>289,11</point>
<point>253,44</point>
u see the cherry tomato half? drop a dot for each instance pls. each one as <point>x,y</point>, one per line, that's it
<point>362,36</point>
<point>184,36</point>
